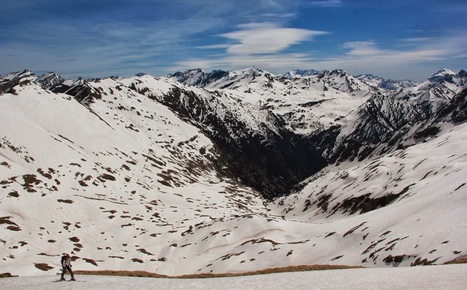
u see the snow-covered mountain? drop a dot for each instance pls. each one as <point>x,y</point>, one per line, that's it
<point>386,84</point>
<point>231,171</point>
<point>300,73</point>
<point>50,80</point>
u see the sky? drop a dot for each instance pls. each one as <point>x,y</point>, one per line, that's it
<point>395,39</point>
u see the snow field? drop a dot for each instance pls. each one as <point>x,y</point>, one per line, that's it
<point>452,277</point>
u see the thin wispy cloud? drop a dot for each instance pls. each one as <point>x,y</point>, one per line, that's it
<point>417,39</point>
<point>325,3</point>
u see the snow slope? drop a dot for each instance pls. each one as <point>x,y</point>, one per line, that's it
<point>126,175</point>
<point>113,186</point>
<point>451,277</point>
<point>399,205</point>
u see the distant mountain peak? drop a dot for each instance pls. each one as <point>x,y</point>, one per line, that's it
<point>50,79</point>
<point>251,69</point>
<point>444,72</point>
<point>26,73</point>
<point>448,76</point>
<point>300,73</point>
<point>197,77</point>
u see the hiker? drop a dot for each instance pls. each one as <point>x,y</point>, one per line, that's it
<point>66,266</point>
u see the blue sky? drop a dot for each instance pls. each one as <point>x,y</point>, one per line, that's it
<point>395,39</point>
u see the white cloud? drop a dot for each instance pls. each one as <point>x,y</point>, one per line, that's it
<point>214,46</point>
<point>367,51</point>
<point>359,44</point>
<point>256,44</point>
<point>361,48</point>
<point>325,3</point>
<point>428,49</point>
<point>417,39</point>
<point>266,38</point>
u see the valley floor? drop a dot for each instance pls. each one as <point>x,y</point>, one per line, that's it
<point>427,277</point>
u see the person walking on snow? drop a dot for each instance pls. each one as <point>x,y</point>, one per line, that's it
<point>66,266</point>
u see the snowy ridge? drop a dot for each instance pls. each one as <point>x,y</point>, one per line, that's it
<point>147,173</point>
<point>386,84</point>
<point>300,102</point>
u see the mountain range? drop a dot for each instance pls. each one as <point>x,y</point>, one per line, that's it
<point>231,171</point>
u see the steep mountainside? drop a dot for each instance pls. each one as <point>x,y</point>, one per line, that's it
<point>388,121</point>
<point>285,125</point>
<point>231,171</point>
